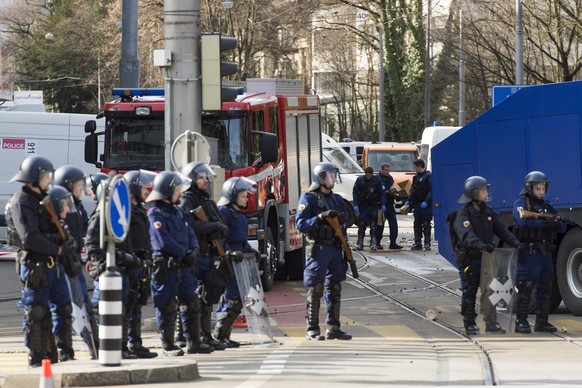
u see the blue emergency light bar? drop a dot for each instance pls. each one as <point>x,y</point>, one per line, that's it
<point>140,92</point>
<point>133,92</point>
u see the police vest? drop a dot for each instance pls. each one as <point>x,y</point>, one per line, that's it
<point>535,235</point>
<point>367,192</point>
<point>421,186</point>
<point>12,236</point>
<point>324,233</point>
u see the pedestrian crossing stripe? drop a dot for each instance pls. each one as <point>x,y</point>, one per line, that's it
<point>399,332</point>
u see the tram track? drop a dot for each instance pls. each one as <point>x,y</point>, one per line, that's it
<point>490,376</point>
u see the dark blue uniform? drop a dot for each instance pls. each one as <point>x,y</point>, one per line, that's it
<point>45,286</point>
<point>535,267</point>
<point>230,305</point>
<point>386,182</point>
<point>421,201</point>
<point>325,266</point>
<point>476,226</point>
<point>368,196</point>
<point>172,238</point>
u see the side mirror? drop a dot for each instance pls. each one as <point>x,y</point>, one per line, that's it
<point>90,126</point>
<point>91,147</point>
<point>269,147</point>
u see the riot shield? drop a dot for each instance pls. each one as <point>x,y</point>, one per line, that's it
<point>497,289</point>
<point>253,299</point>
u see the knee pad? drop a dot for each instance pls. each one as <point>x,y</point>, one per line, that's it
<point>234,304</point>
<point>192,307</point>
<point>36,313</point>
<point>526,286</point>
<point>335,288</point>
<point>64,310</point>
<point>315,292</point>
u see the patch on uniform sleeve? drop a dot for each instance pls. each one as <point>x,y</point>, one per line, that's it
<point>466,224</point>
<point>301,206</point>
<point>157,224</point>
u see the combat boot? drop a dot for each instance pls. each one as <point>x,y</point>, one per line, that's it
<point>334,332</point>
<point>194,347</point>
<point>217,345</point>
<point>140,351</point>
<point>543,308</point>
<point>393,245</point>
<point>522,327</point>
<point>494,328</point>
<point>314,335</point>
<point>416,247</point>
<point>360,243</point>
<point>545,327</point>
<point>472,329</point>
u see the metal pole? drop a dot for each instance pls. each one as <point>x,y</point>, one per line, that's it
<point>381,123</point>
<point>461,71</point>
<point>518,44</point>
<point>427,69</point>
<point>183,109</point>
<point>129,62</point>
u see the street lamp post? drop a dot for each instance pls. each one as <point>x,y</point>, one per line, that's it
<point>518,44</point>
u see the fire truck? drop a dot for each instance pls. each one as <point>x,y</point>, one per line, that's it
<point>270,134</point>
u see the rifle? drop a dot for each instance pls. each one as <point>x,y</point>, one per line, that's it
<point>48,207</point>
<point>523,213</point>
<point>334,222</point>
<point>201,215</point>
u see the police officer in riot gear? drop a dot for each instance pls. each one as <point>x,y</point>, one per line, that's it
<point>73,179</point>
<point>475,226</point>
<point>234,200</point>
<point>125,260</point>
<point>175,251</point>
<point>212,278</point>
<point>325,268</point>
<point>31,231</point>
<point>368,199</point>
<point>139,282</point>
<point>538,225</point>
<point>92,183</point>
<point>420,199</point>
<point>386,182</point>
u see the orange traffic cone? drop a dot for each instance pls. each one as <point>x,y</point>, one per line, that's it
<point>46,377</point>
<point>241,321</point>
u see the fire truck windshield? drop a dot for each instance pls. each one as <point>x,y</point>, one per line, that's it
<point>228,135</point>
<point>134,144</point>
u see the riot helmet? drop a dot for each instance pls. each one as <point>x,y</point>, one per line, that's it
<point>93,184</point>
<point>471,189</point>
<point>62,200</point>
<point>533,178</point>
<point>198,171</point>
<point>136,180</point>
<point>233,186</point>
<point>165,183</point>
<point>67,176</point>
<point>33,169</point>
<point>324,173</point>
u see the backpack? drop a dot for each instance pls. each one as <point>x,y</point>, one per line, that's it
<point>451,223</point>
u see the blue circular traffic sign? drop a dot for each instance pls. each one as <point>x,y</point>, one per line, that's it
<point>118,211</point>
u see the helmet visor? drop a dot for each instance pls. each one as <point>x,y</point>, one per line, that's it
<point>183,181</point>
<point>482,194</point>
<point>330,177</point>
<point>65,204</point>
<point>146,178</point>
<point>203,171</point>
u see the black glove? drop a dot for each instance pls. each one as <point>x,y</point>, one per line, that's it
<point>191,256</point>
<point>521,246</point>
<point>488,247</point>
<point>127,260</point>
<point>551,225</point>
<point>235,256</point>
<point>258,255</point>
<point>219,231</point>
<point>328,214</point>
<point>66,249</point>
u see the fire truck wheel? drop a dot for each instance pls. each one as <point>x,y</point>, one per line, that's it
<point>267,266</point>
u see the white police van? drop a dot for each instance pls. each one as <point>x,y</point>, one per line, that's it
<point>59,137</point>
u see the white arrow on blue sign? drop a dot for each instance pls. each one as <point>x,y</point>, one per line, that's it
<point>118,209</point>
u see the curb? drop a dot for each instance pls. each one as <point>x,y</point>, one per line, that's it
<point>130,372</point>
